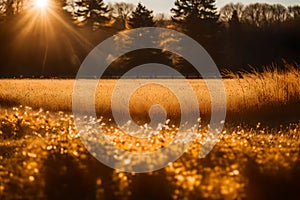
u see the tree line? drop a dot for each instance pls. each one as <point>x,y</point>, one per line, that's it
<point>237,36</point>
<point>97,12</point>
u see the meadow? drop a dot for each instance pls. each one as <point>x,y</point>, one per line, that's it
<point>256,157</point>
<point>271,96</point>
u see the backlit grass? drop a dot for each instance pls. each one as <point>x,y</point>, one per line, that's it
<point>272,95</point>
<point>256,157</point>
<point>43,157</point>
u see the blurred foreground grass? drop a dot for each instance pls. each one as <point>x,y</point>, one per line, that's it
<point>42,157</point>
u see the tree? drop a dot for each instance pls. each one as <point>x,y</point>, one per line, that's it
<point>258,14</point>
<point>121,11</point>
<point>196,15</point>
<point>278,13</point>
<point>93,12</point>
<point>294,12</point>
<point>262,14</point>
<point>141,17</point>
<point>226,12</point>
<point>11,7</point>
<point>197,9</point>
<point>161,20</point>
<point>2,7</point>
<point>234,20</point>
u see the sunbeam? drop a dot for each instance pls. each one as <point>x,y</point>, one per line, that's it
<point>43,28</point>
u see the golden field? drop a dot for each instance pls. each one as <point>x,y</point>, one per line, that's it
<point>42,157</point>
<point>256,157</point>
<point>270,96</point>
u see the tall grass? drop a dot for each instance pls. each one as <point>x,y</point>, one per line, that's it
<point>269,96</point>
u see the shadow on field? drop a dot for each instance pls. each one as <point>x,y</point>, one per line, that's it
<point>67,178</point>
<point>263,186</point>
<point>151,186</point>
<point>7,103</point>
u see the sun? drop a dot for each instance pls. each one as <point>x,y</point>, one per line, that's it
<point>41,4</point>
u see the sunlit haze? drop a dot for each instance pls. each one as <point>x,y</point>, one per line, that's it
<point>41,4</point>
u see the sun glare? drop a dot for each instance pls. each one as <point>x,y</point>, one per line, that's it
<point>41,4</point>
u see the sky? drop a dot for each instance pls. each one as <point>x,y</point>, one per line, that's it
<point>164,6</point>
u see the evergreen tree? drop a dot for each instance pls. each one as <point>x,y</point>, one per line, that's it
<point>91,11</point>
<point>141,17</point>
<point>234,21</point>
<point>98,11</point>
<point>196,15</point>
